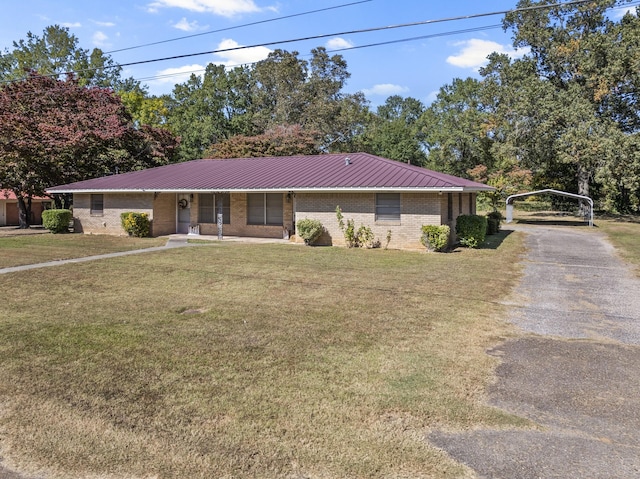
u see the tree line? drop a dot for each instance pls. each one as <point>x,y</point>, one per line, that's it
<point>565,115</point>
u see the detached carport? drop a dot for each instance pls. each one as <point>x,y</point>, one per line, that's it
<point>511,198</point>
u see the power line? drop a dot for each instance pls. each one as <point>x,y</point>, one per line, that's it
<point>369,45</point>
<point>326,35</point>
<point>239,26</point>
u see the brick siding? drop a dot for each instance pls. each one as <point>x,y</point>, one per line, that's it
<point>416,209</point>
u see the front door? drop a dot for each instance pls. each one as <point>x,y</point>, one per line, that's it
<point>184,213</point>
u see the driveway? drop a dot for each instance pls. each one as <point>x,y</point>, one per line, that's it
<point>575,371</point>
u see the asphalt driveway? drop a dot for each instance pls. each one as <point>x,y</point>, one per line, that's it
<point>575,372</point>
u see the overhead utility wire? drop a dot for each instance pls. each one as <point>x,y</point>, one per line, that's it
<point>239,26</point>
<point>368,45</point>
<point>350,32</point>
<point>315,37</point>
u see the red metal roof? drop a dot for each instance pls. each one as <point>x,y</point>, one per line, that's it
<point>331,172</point>
<point>10,195</point>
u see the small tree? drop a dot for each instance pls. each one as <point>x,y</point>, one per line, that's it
<point>309,230</point>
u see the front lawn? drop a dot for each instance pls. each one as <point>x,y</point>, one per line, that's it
<point>245,361</point>
<point>31,249</point>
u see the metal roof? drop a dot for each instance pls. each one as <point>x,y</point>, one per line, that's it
<point>330,172</point>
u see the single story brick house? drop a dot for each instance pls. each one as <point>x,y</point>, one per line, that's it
<point>9,213</point>
<point>264,197</point>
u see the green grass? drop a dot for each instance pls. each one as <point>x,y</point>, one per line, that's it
<point>30,249</point>
<point>243,361</point>
<point>625,236</point>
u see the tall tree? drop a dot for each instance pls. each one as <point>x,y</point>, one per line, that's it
<point>206,110</point>
<point>456,128</point>
<point>569,47</point>
<point>54,132</point>
<point>394,131</point>
<point>57,52</point>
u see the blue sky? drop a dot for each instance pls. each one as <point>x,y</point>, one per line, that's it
<point>416,68</point>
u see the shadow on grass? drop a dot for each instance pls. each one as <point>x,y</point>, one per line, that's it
<point>494,241</point>
<point>553,222</point>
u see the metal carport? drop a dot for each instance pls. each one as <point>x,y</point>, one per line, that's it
<point>548,191</point>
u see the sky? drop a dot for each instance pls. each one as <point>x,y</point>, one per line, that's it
<point>416,61</point>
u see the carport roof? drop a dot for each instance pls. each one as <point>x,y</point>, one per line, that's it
<point>330,172</point>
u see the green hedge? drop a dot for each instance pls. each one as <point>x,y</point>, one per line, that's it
<point>493,222</point>
<point>135,224</point>
<point>309,230</point>
<point>57,221</point>
<point>435,238</point>
<point>471,230</point>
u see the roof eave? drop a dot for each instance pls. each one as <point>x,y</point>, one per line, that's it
<point>366,189</point>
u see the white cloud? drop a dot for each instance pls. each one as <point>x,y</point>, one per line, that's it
<point>474,52</point>
<point>177,75</point>
<point>240,56</point>
<point>71,24</point>
<point>104,24</point>
<point>187,26</point>
<point>100,39</point>
<point>338,43</point>
<point>223,8</point>
<point>385,89</point>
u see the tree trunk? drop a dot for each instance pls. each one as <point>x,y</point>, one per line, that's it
<point>583,189</point>
<point>24,212</point>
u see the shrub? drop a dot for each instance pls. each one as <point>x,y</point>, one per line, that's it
<point>493,222</point>
<point>471,230</point>
<point>309,230</point>
<point>435,238</point>
<point>135,224</point>
<point>362,237</point>
<point>57,221</point>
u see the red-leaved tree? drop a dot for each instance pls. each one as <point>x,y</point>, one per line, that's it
<point>55,132</point>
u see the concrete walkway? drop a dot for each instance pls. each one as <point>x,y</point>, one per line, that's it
<point>575,372</point>
<point>173,241</point>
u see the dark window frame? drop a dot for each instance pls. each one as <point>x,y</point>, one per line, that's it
<point>96,207</point>
<point>388,207</point>
<point>265,209</point>
<point>208,210</point>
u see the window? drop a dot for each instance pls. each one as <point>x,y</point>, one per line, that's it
<point>450,206</point>
<point>387,206</point>
<point>97,205</point>
<point>208,204</point>
<point>265,209</point>
<point>459,203</point>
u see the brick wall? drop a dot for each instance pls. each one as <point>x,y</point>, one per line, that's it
<point>163,221</point>
<point>239,226</point>
<point>114,204</point>
<point>416,209</point>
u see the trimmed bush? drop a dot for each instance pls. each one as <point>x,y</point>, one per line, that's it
<point>493,222</point>
<point>57,221</point>
<point>435,238</point>
<point>471,230</point>
<point>309,230</point>
<point>135,224</point>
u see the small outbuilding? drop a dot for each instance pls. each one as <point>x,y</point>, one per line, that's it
<point>10,214</point>
<point>264,197</point>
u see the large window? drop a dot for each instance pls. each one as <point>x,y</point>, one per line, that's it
<point>208,205</point>
<point>265,209</point>
<point>97,205</point>
<point>387,206</point>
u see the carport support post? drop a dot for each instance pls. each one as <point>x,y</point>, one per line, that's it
<point>219,219</point>
<point>509,212</point>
